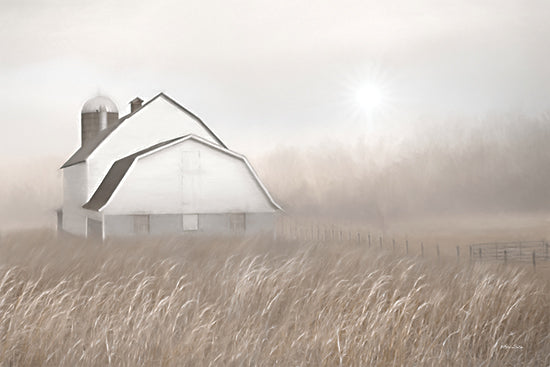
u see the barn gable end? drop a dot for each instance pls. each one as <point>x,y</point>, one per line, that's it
<point>182,176</point>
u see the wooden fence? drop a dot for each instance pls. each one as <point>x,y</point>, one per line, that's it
<point>534,252</point>
<point>304,231</point>
<point>526,251</point>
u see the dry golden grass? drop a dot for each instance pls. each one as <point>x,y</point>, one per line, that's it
<point>233,302</point>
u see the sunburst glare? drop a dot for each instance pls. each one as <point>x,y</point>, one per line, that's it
<point>370,94</point>
<point>370,97</point>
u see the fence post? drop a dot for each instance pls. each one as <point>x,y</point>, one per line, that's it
<point>358,237</point>
<point>480,254</point>
<point>546,245</point>
<point>505,257</point>
<point>437,248</point>
<point>457,253</point>
<point>393,243</point>
<point>369,238</point>
<point>471,253</point>
<point>380,241</point>
<point>407,246</point>
<point>422,248</point>
<point>534,263</point>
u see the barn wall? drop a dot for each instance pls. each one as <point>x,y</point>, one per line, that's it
<point>74,186</point>
<point>188,177</point>
<point>157,122</point>
<point>74,195</point>
<point>260,222</point>
<point>94,229</point>
<point>118,225</point>
<point>214,223</point>
<point>166,224</point>
<point>74,221</point>
<point>221,223</point>
<point>123,225</point>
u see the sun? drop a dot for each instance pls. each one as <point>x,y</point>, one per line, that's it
<point>369,94</point>
<point>370,98</point>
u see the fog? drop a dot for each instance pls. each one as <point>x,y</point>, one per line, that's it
<point>500,167</point>
<point>497,167</point>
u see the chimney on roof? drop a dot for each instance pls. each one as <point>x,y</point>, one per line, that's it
<point>135,104</point>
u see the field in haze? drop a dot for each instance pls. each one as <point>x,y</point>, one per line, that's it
<point>255,301</point>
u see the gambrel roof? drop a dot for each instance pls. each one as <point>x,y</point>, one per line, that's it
<point>121,167</point>
<point>84,152</point>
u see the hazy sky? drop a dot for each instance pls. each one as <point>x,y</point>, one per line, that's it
<point>268,73</point>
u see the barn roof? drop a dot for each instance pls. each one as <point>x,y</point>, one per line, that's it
<point>82,154</point>
<point>118,170</point>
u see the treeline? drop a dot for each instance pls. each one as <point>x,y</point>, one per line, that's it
<point>494,165</point>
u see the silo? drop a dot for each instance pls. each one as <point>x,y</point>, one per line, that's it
<point>97,114</point>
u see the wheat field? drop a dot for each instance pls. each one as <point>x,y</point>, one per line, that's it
<point>259,302</point>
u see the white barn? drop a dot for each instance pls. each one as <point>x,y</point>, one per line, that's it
<point>158,170</point>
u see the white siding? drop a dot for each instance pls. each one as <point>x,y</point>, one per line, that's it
<point>74,186</point>
<point>167,182</point>
<point>74,196</point>
<point>166,224</point>
<point>119,225</point>
<point>157,122</point>
<point>221,223</point>
<point>260,222</point>
<point>74,221</point>
<point>171,224</point>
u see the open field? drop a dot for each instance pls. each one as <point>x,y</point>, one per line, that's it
<point>213,301</point>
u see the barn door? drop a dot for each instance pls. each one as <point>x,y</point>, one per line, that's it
<point>237,222</point>
<point>141,224</point>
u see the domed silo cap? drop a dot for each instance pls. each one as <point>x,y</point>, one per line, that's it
<point>99,103</point>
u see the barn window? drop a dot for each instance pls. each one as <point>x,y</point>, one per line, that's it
<point>190,222</point>
<point>141,224</point>
<point>237,222</point>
